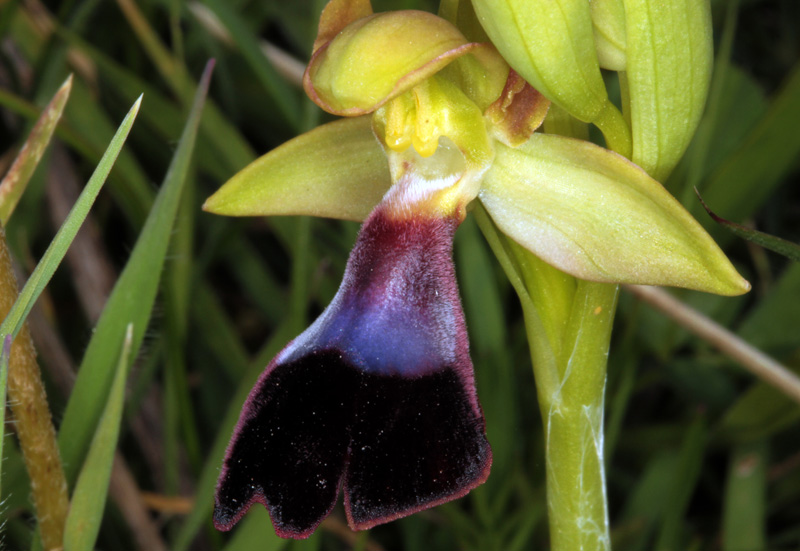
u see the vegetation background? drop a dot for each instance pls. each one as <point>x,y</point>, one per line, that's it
<point>701,455</point>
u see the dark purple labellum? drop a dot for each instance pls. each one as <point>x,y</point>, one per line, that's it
<point>376,397</point>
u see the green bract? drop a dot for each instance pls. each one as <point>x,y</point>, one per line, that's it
<point>581,208</point>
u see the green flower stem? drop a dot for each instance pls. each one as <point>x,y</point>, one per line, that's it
<point>615,130</point>
<point>568,322</point>
<point>572,412</point>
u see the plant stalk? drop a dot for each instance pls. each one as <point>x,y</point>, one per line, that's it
<point>32,421</point>
<point>572,413</point>
<point>568,322</point>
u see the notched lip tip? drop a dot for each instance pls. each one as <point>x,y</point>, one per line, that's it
<point>223,526</point>
<point>480,479</point>
<point>290,534</point>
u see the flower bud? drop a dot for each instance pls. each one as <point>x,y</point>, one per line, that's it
<point>608,18</point>
<point>669,59</point>
<point>551,44</point>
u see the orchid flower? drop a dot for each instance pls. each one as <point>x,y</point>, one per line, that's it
<point>377,397</point>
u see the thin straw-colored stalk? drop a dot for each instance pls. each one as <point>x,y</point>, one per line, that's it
<point>745,354</point>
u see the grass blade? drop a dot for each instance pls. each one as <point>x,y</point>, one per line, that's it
<point>131,301</point>
<point>744,526</point>
<point>20,173</point>
<point>285,101</point>
<point>688,472</point>
<point>751,174</point>
<point>91,490</point>
<point>61,242</point>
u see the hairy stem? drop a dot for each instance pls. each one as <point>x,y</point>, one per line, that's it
<point>32,421</point>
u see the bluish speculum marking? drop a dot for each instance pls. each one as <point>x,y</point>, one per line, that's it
<point>395,311</point>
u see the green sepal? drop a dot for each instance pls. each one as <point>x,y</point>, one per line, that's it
<point>597,216</point>
<point>669,60</point>
<point>338,170</point>
<point>377,58</point>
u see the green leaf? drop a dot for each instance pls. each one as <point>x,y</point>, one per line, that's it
<point>130,302</point>
<point>772,323</point>
<point>225,148</point>
<point>58,246</point>
<point>89,499</point>
<point>279,92</point>
<point>685,479</point>
<point>761,412</point>
<point>781,246</point>
<point>669,60</point>
<point>27,160</point>
<point>595,215</point>
<point>129,184</point>
<point>338,170</point>
<point>645,502</point>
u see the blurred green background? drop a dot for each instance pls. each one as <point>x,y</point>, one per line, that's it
<point>700,454</point>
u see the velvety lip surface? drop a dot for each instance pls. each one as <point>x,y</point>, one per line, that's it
<point>396,444</point>
<point>377,397</point>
